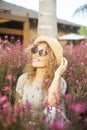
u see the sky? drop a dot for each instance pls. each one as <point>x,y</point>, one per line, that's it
<point>65,9</point>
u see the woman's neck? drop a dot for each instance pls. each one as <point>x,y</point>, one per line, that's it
<point>40,72</point>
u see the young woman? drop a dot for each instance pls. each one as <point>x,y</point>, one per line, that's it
<point>42,82</point>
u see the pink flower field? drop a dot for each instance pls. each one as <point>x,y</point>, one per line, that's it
<point>12,61</point>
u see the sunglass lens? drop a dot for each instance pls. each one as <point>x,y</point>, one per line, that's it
<point>41,52</point>
<point>34,50</point>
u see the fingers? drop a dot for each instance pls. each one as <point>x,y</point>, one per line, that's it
<point>62,68</point>
<point>65,62</point>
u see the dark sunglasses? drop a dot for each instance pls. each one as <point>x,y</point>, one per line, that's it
<point>41,52</point>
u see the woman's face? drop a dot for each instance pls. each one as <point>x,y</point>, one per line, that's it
<point>40,55</point>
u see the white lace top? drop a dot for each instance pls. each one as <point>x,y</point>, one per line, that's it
<point>33,92</point>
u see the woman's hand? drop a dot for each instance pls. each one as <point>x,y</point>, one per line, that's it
<point>18,100</point>
<point>54,96</point>
<point>62,68</point>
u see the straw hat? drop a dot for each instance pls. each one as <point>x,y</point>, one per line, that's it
<point>53,44</point>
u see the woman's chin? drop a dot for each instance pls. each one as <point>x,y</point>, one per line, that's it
<point>35,65</point>
<point>38,66</point>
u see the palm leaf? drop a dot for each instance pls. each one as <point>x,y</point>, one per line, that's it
<point>82,9</point>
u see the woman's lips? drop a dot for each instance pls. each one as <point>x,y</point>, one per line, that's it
<point>36,60</point>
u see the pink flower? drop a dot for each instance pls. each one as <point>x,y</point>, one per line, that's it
<point>14,78</point>
<point>7,89</point>
<point>43,119</point>
<point>6,105</point>
<point>3,99</point>
<point>6,37</point>
<point>45,103</point>
<point>79,107</point>
<point>68,98</point>
<point>10,66</point>
<point>18,40</point>
<point>47,80</point>
<point>60,89</point>
<point>28,105</point>
<point>58,125</point>
<point>9,76</point>
<point>14,119</point>
<point>70,78</point>
<point>77,81</point>
<point>0,39</point>
<point>85,121</point>
<point>17,109</point>
<point>38,87</point>
<point>12,37</point>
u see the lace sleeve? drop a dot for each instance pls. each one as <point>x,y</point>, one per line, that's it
<point>20,84</point>
<point>63,86</point>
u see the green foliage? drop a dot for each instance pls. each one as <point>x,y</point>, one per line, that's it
<point>82,31</point>
<point>12,62</point>
<point>76,74</point>
<point>76,77</point>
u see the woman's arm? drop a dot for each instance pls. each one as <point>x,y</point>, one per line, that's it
<point>18,99</point>
<point>19,89</point>
<point>54,94</point>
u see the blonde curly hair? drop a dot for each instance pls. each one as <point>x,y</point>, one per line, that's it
<point>51,68</point>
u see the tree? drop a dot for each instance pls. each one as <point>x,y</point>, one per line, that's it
<point>83,31</point>
<point>47,20</point>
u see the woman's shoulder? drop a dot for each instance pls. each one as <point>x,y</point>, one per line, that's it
<point>20,83</point>
<point>23,77</point>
